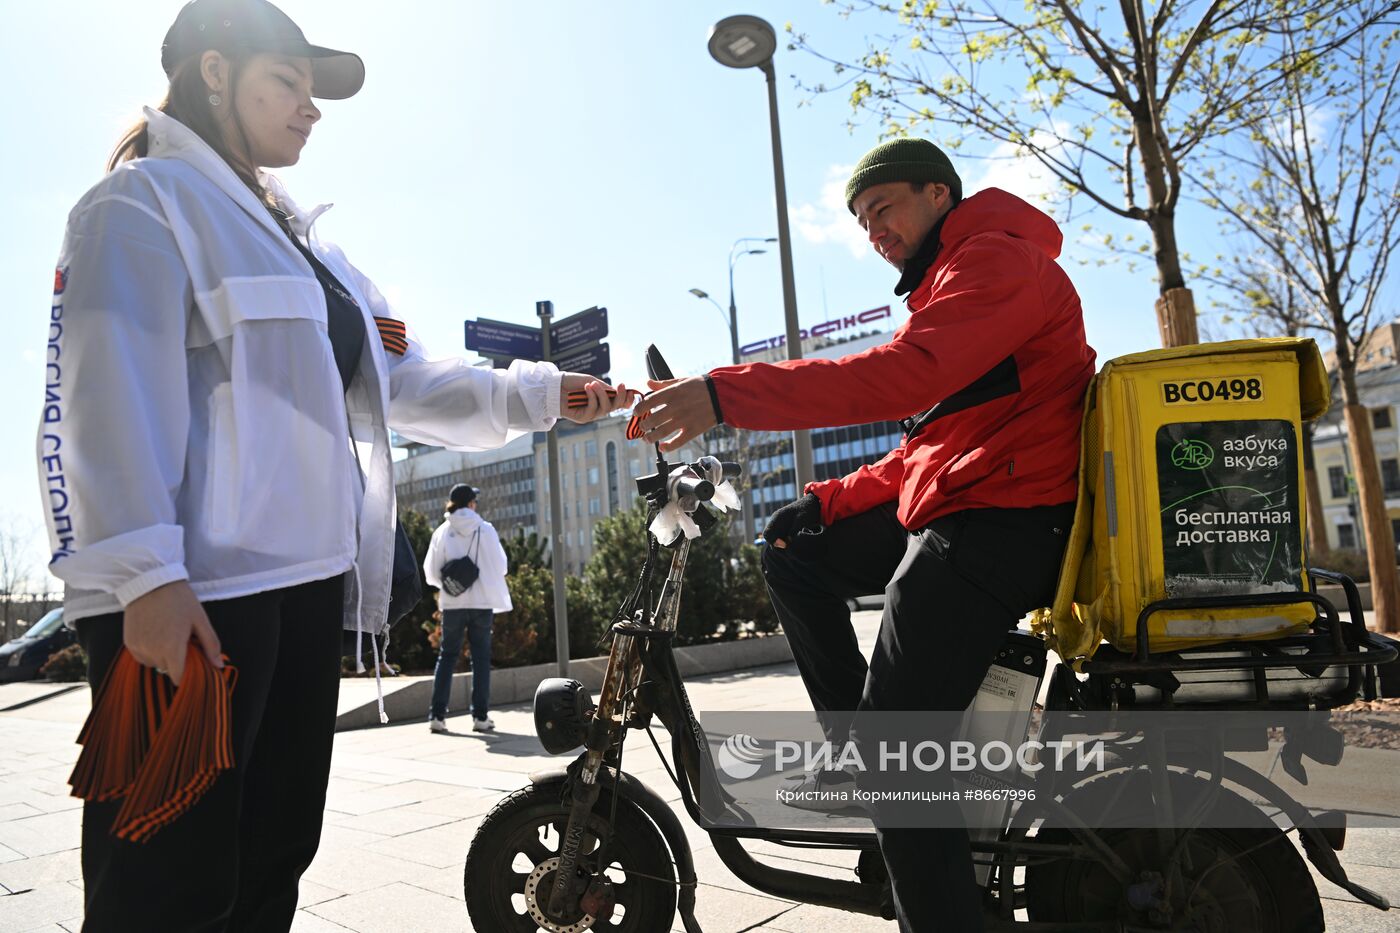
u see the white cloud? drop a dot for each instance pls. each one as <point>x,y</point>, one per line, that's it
<point>828,221</point>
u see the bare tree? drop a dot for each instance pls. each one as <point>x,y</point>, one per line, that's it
<point>1114,100</point>
<point>16,569</point>
<point>1317,192</point>
<point>1261,300</point>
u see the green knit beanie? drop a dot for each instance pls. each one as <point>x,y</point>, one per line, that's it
<point>906,159</point>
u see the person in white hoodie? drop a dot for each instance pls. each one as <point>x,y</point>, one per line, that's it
<point>211,364</point>
<point>464,533</point>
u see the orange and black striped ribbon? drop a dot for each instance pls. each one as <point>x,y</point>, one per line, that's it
<point>394,335</point>
<point>578,398</point>
<point>158,747</point>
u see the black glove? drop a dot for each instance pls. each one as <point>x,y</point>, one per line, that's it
<point>803,517</point>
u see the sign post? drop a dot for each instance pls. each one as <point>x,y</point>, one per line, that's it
<point>545,310</point>
<point>574,344</point>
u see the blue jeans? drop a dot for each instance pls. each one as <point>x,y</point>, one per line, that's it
<point>475,626</point>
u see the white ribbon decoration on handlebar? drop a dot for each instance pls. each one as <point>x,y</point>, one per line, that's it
<point>672,520</point>
<point>726,497</point>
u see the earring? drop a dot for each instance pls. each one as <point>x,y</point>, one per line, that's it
<point>215,100</point>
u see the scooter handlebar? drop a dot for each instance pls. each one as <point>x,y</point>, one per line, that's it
<point>689,486</point>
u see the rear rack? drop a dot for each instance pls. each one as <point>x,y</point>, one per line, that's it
<point>1331,644</point>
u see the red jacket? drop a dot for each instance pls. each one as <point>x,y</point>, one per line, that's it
<point>990,368</point>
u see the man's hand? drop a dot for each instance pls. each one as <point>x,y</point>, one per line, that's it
<point>678,409</point>
<point>802,517</point>
<point>158,627</point>
<point>601,398</point>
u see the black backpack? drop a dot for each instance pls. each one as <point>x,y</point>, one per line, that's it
<point>458,575</point>
<point>405,589</point>
<point>406,583</point>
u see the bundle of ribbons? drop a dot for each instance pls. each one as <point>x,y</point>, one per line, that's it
<point>157,746</point>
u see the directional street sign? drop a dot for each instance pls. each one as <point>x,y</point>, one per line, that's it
<point>594,360</point>
<point>574,331</point>
<point>500,338</point>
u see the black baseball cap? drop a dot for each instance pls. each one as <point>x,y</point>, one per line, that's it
<point>258,26</point>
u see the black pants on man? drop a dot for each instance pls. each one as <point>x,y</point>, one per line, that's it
<point>952,591</point>
<point>233,861</point>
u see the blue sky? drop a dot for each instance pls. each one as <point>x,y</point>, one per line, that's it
<point>499,154</point>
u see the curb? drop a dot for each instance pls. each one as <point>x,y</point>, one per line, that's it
<point>408,702</point>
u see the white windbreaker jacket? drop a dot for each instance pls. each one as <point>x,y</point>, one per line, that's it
<point>194,423</point>
<point>464,533</point>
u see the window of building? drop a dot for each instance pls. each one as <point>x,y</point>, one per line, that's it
<point>595,507</point>
<point>1390,476</point>
<point>592,476</point>
<point>1337,479</point>
<point>1380,417</point>
<point>590,448</point>
<point>1346,536</point>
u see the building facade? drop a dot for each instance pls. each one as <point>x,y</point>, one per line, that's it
<point>506,478</point>
<point>1379,388</point>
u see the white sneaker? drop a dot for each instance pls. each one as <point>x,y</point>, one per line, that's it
<point>483,725</point>
<point>437,725</point>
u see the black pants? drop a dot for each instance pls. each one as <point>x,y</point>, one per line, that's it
<point>952,591</point>
<point>233,861</point>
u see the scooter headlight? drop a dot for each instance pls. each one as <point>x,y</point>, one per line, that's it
<point>562,710</point>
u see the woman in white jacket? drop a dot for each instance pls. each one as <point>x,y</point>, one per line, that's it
<point>468,614</point>
<point>210,365</point>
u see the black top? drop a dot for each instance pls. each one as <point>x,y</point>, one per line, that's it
<point>344,322</point>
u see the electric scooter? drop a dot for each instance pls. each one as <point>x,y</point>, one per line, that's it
<point>589,847</point>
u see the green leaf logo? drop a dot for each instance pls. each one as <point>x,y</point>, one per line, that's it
<point>1192,455</point>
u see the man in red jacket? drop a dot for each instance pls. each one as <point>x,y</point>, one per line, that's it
<point>963,525</point>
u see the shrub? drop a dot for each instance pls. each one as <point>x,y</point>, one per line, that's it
<point>1350,562</point>
<point>67,664</point>
<point>748,593</point>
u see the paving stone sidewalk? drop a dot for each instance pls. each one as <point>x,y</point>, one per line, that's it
<point>403,805</point>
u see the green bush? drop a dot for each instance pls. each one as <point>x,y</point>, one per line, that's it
<point>1348,561</point>
<point>525,635</point>
<point>67,664</point>
<point>724,596</point>
<point>749,594</point>
<point>411,646</point>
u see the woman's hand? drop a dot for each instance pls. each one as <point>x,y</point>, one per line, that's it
<point>159,625</point>
<point>597,396</point>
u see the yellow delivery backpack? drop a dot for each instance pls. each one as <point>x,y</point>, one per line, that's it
<point>1190,485</point>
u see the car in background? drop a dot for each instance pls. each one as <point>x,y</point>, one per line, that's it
<point>21,657</point>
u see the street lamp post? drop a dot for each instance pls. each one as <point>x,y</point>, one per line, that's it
<point>700,293</point>
<point>733,311</point>
<point>745,41</point>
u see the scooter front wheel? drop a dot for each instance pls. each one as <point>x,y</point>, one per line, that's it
<point>511,862</point>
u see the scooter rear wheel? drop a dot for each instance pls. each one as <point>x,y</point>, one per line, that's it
<point>510,866</point>
<point>1241,872</point>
